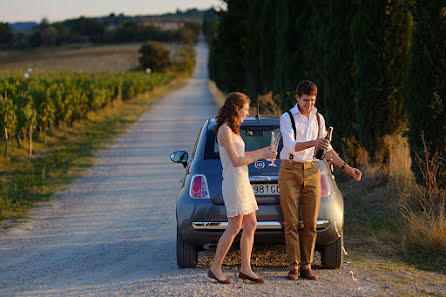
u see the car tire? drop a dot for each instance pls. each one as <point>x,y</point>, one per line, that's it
<point>187,253</point>
<point>332,254</point>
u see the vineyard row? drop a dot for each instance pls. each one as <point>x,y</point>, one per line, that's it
<point>57,99</point>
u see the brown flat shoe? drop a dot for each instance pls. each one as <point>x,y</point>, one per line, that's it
<point>259,280</point>
<point>225,281</point>
<point>293,274</point>
<point>308,274</point>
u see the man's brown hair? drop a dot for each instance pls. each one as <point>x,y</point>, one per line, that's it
<point>306,87</point>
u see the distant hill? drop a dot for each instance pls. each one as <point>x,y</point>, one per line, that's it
<point>22,26</point>
<point>190,14</point>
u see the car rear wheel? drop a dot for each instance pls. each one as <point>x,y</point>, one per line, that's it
<point>332,254</point>
<point>187,253</point>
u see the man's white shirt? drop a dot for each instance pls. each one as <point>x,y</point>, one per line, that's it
<point>306,130</point>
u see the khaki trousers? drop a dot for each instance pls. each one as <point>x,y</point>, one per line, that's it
<point>300,182</point>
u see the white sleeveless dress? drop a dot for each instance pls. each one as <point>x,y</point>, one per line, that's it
<point>237,191</point>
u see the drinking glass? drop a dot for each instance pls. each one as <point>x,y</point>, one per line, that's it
<point>275,139</point>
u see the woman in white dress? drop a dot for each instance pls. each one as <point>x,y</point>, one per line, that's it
<point>238,195</point>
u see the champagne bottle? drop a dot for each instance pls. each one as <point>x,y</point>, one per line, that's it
<point>318,153</point>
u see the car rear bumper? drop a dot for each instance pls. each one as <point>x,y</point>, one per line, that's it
<point>202,233</point>
<point>202,222</point>
<point>321,225</point>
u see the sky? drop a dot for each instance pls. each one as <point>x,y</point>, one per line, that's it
<point>57,10</point>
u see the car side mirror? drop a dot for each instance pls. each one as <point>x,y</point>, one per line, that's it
<point>180,157</point>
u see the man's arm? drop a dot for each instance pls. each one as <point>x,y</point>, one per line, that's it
<point>294,146</point>
<point>319,143</point>
<point>335,159</point>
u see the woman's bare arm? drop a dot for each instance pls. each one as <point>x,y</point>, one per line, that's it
<point>226,139</point>
<point>258,151</point>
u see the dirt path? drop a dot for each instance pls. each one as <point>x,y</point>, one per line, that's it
<point>112,232</point>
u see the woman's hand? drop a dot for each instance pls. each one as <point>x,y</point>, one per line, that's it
<point>269,152</point>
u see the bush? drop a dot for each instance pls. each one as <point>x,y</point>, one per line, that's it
<point>184,61</point>
<point>154,56</point>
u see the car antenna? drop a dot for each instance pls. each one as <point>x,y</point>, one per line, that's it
<point>258,107</point>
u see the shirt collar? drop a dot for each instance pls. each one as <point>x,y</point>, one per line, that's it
<point>295,110</point>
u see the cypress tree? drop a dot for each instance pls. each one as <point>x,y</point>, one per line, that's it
<point>316,47</point>
<point>380,35</point>
<point>267,46</point>
<point>290,61</point>
<point>227,67</point>
<point>425,84</point>
<point>253,33</point>
<point>283,81</point>
<point>337,79</point>
<point>214,55</point>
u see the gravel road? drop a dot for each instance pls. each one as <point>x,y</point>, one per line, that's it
<point>112,232</point>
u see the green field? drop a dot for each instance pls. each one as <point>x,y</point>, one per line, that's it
<point>106,58</point>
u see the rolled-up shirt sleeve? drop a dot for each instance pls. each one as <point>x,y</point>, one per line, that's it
<point>287,134</point>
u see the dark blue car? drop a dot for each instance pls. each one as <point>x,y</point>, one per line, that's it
<point>201,214</point>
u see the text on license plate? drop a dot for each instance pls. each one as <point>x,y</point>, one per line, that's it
<point>265,189</point>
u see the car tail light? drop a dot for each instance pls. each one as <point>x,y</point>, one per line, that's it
<point>199,187</point>
<point>325,185</point>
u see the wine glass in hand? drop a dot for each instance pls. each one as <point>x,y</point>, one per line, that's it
<point>275,139</point>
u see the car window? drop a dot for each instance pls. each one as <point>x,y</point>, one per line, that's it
<point>255,137</point>
<point>197,141</point>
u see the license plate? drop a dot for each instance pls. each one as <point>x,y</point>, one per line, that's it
<point>265,189</point>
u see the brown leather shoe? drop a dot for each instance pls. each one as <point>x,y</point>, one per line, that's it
<point>308,274</point>
<point>293,274</point>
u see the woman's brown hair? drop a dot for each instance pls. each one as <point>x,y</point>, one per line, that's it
<point>231,110</point>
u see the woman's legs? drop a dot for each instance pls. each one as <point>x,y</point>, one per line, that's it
<point>224,243</point>
<point>246,243</point>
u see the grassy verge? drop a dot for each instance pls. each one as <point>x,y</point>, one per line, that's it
<point>395,277</point>
<point>389,215</point>
<point>219,96</point>
<point>25,181</point>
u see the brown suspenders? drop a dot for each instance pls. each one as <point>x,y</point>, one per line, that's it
<point>293,124</point>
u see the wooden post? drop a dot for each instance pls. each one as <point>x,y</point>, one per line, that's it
<point>258,107</point>
<point>44,135</point>
<point>120,92</point>
<point>30,136</point>
<point>6,144</point>
<point>17,137</point>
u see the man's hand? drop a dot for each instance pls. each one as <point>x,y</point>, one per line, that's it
<point>353,172</point>
<point>321,143</point>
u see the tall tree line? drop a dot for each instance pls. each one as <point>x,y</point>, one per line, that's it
<point>365,56</point>
<point>228,46</point>
<point>425,83</point>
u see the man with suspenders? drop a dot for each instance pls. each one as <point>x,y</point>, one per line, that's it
<point>303,130</point>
